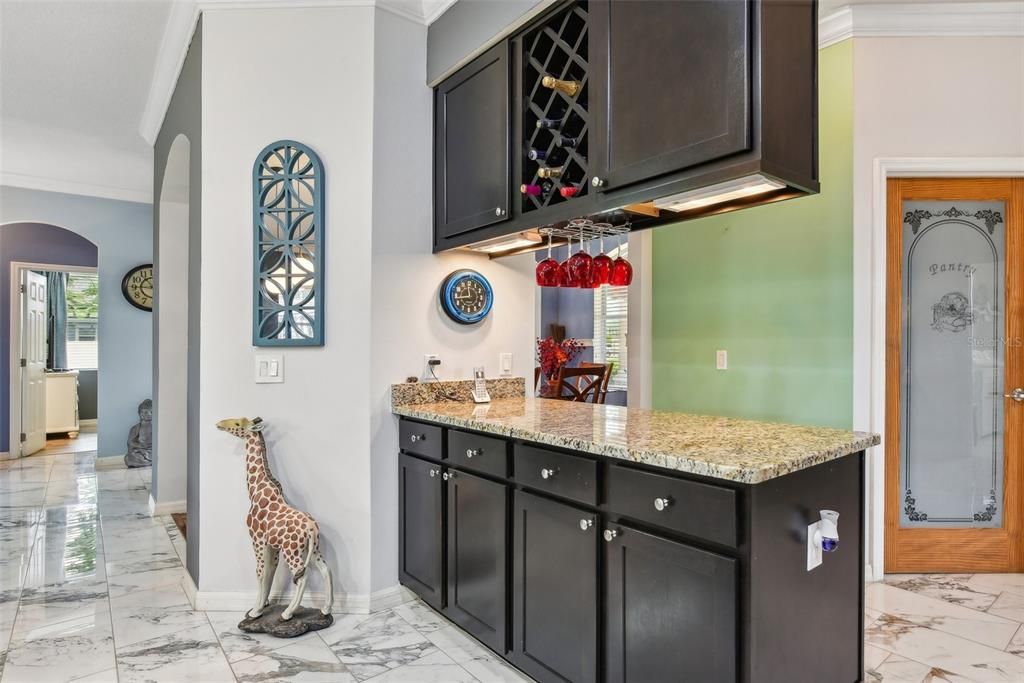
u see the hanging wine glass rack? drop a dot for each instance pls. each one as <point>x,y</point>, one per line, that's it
<point>583,229</point>
<point>554,159</point>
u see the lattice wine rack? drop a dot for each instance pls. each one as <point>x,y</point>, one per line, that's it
<point>555,117</point>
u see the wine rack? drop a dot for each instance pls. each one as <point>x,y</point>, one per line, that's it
<point>554,159</point>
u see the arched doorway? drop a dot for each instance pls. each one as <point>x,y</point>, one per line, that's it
<point>170,334</point>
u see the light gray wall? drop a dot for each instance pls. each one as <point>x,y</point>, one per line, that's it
<point>185,116</point>
<point>468,25</point>
<point>87,395</point>
<point>122,233</point>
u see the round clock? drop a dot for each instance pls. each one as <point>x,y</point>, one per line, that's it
<point>466,296</point>
<point>137,287</point>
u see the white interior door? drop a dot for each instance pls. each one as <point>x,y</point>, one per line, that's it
<point>33,353</point>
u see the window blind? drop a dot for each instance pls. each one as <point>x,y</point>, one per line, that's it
<point>611,313</point>
<point>83,324</point>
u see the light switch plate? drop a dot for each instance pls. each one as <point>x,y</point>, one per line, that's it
<point>268,368</point>
<point>505,364</point>
<point>721,359</point>
<point>814,551</point>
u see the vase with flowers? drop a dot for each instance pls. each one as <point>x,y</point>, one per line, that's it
<point>552,356</point>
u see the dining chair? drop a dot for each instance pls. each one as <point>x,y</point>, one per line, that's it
<point>580,384</point>
<point>608,369</point>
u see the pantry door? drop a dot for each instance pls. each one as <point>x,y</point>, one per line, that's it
<point>954,433</point>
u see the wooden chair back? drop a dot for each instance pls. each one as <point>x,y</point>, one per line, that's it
<point>608,369</point>
<point>580,384</point>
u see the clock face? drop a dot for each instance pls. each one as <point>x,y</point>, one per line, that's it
<point>466,296</point>
<point>137,287</point>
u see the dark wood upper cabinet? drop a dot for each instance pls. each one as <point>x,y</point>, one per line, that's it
<point>670,613</point>
<point>471,146</point>
<point>477,559</point>
<point>677,91</point>
<point>421,530</point>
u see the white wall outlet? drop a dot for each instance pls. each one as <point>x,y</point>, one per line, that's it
<point>814,551</point>
<point>721,359</point>
<point>268,368</point>
<point>427,357</point>
<point>505,364</point>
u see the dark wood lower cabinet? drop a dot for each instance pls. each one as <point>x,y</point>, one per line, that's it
<point>477,557</point>
<point>670,610</point>
<point>555,590</point>
<point>421,532</point>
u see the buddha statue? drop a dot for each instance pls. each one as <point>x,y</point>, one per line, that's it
<point>140,438</point>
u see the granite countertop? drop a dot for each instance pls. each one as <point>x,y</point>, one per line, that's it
<point>721,447</point>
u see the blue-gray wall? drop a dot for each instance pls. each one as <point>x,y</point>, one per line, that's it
<point>31,243</point>
<point>122,232</point>
<point>185,117</point>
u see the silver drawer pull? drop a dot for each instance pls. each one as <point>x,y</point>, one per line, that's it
<point>474,452</point>
<point>586,524</point>
<point>610,534</point>
<point>662,504</point>
<point>417,437</point>
<point>433,473</point>
<point>547,473</point>
<point>448,476</point>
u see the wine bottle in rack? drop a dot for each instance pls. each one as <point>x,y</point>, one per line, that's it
<point>537,155</point>
<point>549,124</point>
<point>552,172</point>
<point>569,88</point>
<point>532,190</point>
<point>564,141</point>
<point>568,192</point>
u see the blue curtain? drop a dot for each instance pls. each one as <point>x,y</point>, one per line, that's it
<point>56,321</point>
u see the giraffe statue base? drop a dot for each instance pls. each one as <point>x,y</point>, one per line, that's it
<point>304,620</point>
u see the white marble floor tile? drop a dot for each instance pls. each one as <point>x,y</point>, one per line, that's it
<point>310,661</point>
<point>1013,583</point>
<point>143,570</point>
<point>952,588</point>
<point>480,662</point>
<point>933,613</point>
<point>896,669</point>
<point>435,667</point>
<point>421,617</point>
<point>60,651</point>
<point>370,645</point>
<point>945,652</point>
<point>1016,645</point>
<point>238,645</point>
<point>188,655</point>
<point>148,614</point>
<point>105,676</point>
<point>1009,605</point>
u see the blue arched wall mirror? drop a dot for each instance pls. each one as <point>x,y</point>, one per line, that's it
<point>288,246</point>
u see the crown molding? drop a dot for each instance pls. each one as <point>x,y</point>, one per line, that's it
<point>921,20</point>
<point>31,182</point>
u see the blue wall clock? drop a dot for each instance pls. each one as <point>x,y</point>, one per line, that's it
<point>466,297</point>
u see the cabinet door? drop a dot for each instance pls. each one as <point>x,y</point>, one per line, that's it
<point>420,528</point>
<point>471,145</point>
<point>677,92</point>
<point>555,592</point>
<point>670,612</point>
<point>477,566</point>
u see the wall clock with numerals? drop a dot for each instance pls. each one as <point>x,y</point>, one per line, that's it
<point>137,287</point>
<point>466,296</point>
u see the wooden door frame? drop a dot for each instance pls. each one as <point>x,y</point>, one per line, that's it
<point>14,388</point>
<point>950,549</point>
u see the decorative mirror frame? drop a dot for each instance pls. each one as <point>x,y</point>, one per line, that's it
<point>265,178</point>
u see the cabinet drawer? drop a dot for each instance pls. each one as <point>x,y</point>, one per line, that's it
<point>690,507</point>
<point>478,453</point>
<point>421,439</point>
<point>563,475</point>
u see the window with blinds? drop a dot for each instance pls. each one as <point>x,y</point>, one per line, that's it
<point>83,321</point>
<point>611,306</point>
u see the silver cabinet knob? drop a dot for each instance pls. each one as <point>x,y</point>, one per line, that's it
<point>448,475</point>
<point>610,534</point>
<point>499,211</point>
<point>586,524</point>
<point>1017,395</point>
<point>597,182</point>
<point>417,437</point>
<point>474,452</point>
<point>662,504</point>
<point>547,473</point>
<point>433,473</point>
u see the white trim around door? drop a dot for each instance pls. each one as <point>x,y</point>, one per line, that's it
<point>869,349</point>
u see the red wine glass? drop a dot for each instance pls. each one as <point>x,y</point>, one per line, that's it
<point>547,270</point>
<point>622,271</point>
<point>601,271</point>
<point>581,264</point>
<point>567,277</point>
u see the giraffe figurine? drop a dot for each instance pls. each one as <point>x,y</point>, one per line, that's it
<point>275,526</point>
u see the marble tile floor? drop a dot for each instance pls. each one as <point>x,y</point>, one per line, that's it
<point>90,590</point>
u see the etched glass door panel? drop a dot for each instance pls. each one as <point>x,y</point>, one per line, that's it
<point>951,393</point>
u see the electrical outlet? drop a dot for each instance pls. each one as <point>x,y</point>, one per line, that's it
<point>505,364</point>
<point>721,359</point>
<point>427,367</point>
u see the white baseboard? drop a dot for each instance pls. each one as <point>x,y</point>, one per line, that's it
<point>221,601</point>
<point>88,423</point>
<point>7,456</point>
<point>189,586</point>
<point>161,509</point>
<point>110,462</point>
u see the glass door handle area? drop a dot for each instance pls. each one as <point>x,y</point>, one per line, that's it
<point>1017,395</point>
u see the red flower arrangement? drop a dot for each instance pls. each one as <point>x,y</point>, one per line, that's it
<point>552,355</point>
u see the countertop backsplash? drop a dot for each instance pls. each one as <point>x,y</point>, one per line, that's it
<point>458,391</point>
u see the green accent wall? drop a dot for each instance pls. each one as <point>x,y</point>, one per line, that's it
<point>771,285</point>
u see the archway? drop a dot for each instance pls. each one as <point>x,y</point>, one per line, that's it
<point>170,334</point>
